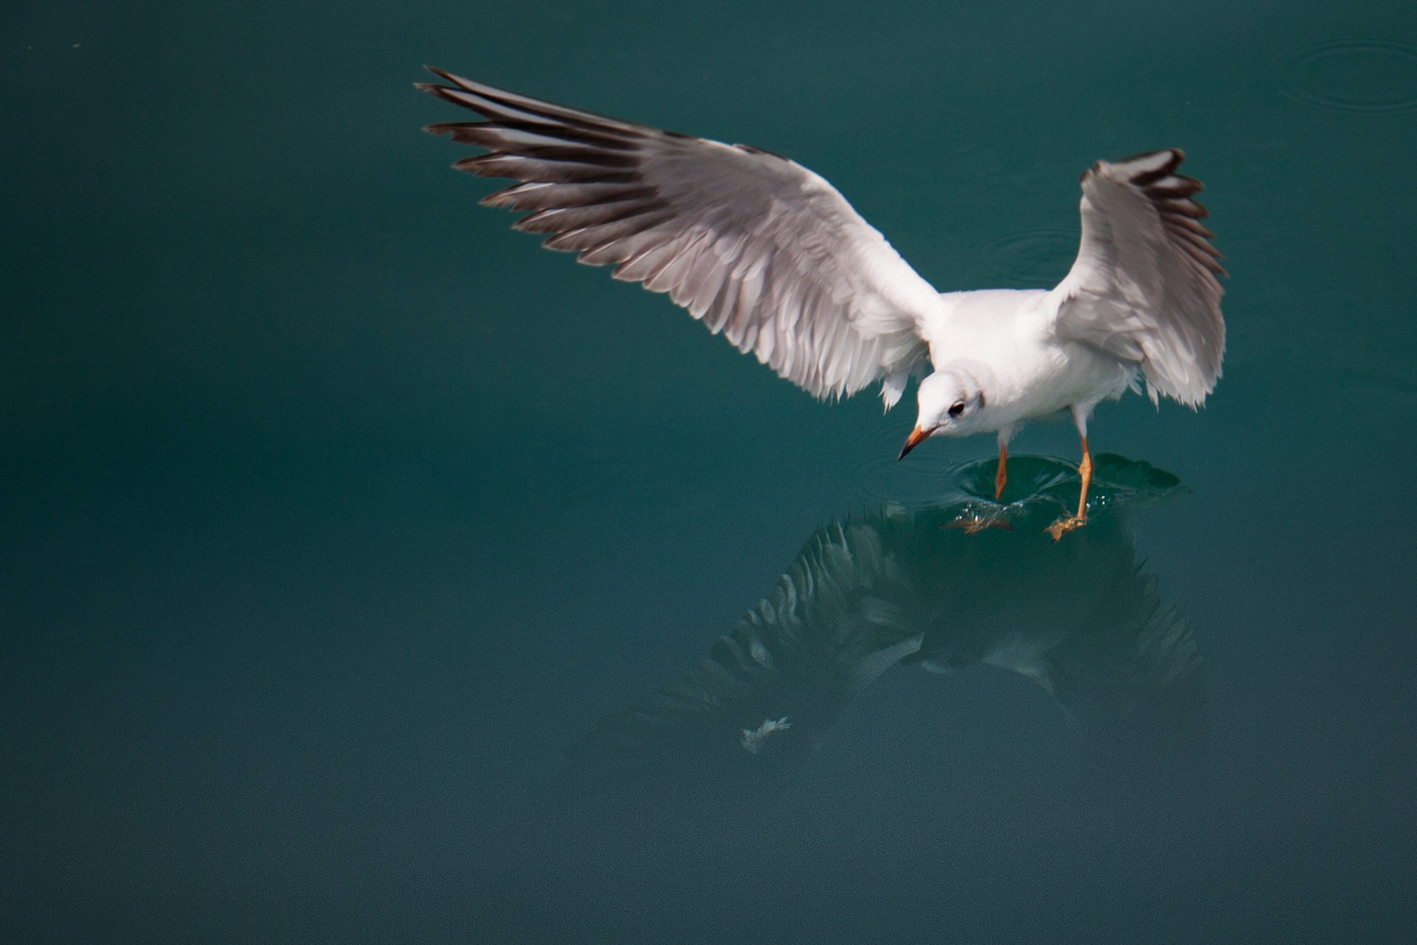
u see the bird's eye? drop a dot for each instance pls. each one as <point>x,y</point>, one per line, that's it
<point>957,409</point>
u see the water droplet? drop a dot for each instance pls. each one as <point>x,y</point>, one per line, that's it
<point>1353,75</point>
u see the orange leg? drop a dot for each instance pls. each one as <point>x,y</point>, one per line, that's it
<point>1001,477</point>
<point>1085,471</point>
<point>1064,525</point>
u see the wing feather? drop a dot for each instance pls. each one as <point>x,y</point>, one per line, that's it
<point>756,246</point>
<point>1144,287</point>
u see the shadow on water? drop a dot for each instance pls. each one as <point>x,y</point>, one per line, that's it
<point>1081,618</point>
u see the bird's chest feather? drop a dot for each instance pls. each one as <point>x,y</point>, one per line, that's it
<point>1056,377</point>
<point>1020,371</point>
<point>1039,381</point>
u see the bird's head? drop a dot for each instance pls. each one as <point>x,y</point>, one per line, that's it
<point>950,402</point>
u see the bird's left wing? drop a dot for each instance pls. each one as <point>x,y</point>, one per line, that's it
<point>1143,288</point>
<point>755,246</point>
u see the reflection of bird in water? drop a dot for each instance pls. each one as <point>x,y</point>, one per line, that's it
<point>1081,620</point>
<point>771,255</point>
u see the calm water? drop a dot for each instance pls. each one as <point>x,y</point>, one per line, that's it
<point>333,514</point>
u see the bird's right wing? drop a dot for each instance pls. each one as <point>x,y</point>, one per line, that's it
<point>755,246</point>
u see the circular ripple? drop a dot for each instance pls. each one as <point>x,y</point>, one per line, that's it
<point>1032,259</point>
<point>1354,75</point>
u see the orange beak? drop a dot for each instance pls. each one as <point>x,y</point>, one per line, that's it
<point>912,441</point>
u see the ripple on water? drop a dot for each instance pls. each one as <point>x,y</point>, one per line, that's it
<point>1353,75</point>
<point>1031,259</point>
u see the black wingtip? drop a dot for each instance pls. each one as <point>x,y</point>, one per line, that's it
<point>430,87</point>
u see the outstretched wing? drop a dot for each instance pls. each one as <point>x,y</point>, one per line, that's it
<point>1144,286</point>
<point>755,246</point>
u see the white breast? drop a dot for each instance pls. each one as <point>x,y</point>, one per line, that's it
<point>1006,339</point>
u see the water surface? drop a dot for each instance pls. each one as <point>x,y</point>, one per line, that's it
<point>333,513</point>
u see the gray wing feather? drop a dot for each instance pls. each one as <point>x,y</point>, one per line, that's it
<point>1144,285</point>
<point>757,247</point>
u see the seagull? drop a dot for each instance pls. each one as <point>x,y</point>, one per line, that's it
<point>770,255</point>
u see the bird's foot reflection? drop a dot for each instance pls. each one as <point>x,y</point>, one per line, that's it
<point>1064,525</point>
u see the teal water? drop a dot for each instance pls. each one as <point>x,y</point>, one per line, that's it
<point>333,514</point>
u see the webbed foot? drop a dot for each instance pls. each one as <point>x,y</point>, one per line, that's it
<point>1064,525</point>
<point>973,522</point>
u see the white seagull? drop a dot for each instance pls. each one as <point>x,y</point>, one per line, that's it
<point>764,251</point>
